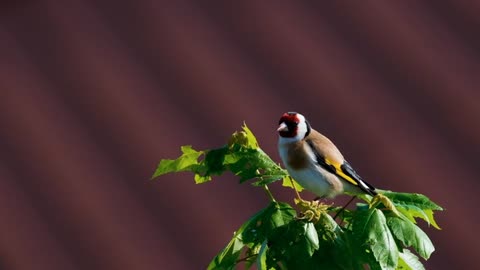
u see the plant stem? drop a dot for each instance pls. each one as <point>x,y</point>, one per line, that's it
<point>269,194</point>
<point>246,258</point>
<point>295,188</point>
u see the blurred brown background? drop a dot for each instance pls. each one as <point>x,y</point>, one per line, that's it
<point>94,93</point>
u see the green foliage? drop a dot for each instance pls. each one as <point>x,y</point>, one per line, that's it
<point>378,234</point>
<point>289,182</point>
<point>241,156</point>
<point>408,261</point>
<point>371,231</point>
<point>414,205</point>
<point>410,235</point>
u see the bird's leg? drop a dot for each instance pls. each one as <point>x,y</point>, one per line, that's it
<point>380,198</point>
<point>343,208</point>
<point>310,210</point>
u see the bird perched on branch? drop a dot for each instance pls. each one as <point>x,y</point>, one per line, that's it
<point>315,162</point>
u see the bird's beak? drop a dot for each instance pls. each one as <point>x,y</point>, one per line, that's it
<point>282,127</point>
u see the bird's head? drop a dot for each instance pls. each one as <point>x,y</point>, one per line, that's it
<point>293,127</point>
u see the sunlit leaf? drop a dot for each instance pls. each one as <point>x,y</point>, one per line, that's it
<point>411,199</point>
<point>371,229</point>
<point>312,237</point>
<point>186,162</point>
<point>414,205</point>
<point>408,261</point>
<point>251,140</point>
<point>410,235</point>
<point>288,181</point>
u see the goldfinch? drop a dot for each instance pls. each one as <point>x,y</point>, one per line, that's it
<point>314,161</point>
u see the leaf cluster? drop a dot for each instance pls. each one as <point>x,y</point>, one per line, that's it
<point>377,234</point>
<point>242,156</point>
<point>367,238</point>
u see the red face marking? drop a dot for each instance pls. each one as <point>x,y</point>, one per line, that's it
<point>291,120</point>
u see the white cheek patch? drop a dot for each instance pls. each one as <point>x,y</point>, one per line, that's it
<point>302,127</point>
<point>301,130</point>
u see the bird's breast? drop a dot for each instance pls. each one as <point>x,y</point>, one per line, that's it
<point>313,180</point>
<point>301,165</point>
<point>295,156</point>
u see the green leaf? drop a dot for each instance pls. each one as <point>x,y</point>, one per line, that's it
<point>244,138</point>
<point>253,232</point>
<point>261,225</point>
<point>186,162</point>
<point>413,212</point>
<point>249,233</point>
<point>414,205</point>
<point>312,236</point>
<point>372,232</point>
<point>288,181</point>
<point>262,257</point>
<point>214,161</point>
<point>255,164</point>
<point>411,199</point>
<point>328,230</point>
<point>430,219</point>
<point>251,140</point>
<point>227,259</point>
<point>408,261</point>
<point>200,179</point>
<point>410,235</point>
<point>347,254</point>
<point>293,245</point>
<point>249,161</point>
<point>283,214</point>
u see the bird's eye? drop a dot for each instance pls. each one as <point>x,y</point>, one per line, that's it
<point>291,124</point>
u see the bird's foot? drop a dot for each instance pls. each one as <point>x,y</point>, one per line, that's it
<point>382,199</point>
<point>311,211</point>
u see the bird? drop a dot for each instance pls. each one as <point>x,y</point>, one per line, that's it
<point>315,162</point>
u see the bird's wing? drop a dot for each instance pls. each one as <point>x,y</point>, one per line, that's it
<point>348,171</point>
<point>341,168</point>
